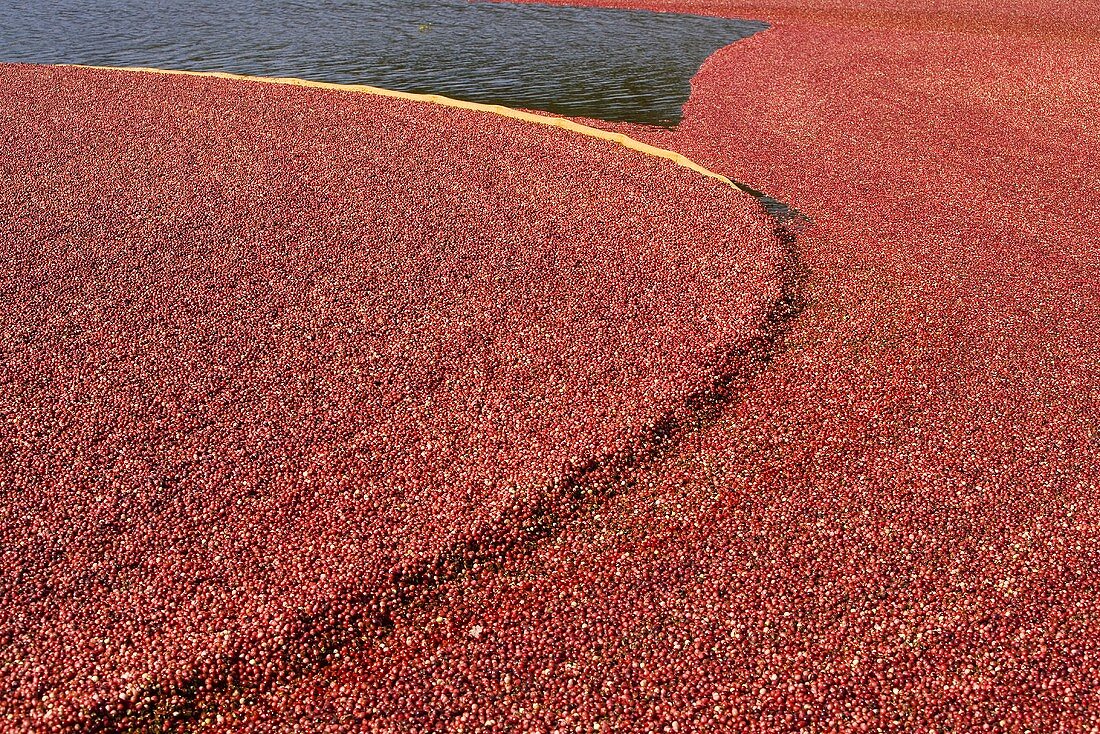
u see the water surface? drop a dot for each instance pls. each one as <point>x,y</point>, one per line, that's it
<point>610,64</point>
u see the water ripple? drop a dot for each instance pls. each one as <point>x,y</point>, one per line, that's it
<point>610,64</point>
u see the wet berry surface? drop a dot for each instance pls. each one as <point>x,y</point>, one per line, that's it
<point>883,516</point>
<point>277,357</point>
<point>894,525</point>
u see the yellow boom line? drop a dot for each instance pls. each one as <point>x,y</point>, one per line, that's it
<point>559,122</point>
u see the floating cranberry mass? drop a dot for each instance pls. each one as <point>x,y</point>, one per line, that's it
<point>275,357</point>
<point>326,413</point>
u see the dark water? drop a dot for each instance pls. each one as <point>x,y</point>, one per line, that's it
<point>609,64</point>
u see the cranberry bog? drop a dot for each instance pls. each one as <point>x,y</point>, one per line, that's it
<point>637,458</point>
<point>276,358</point>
